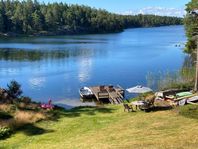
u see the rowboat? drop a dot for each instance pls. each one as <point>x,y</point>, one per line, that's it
<point>86,92</point>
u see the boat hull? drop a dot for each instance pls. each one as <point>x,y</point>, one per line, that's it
<point>85,92</point>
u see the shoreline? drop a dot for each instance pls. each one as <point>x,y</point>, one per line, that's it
<point>48,34</point>
<point>69,104</point>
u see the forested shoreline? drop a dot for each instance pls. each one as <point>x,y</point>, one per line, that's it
<point>34,18</point>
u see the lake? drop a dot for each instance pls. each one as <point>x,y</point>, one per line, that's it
<point>56,67</point>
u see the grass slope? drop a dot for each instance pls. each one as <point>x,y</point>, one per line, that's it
<point>108,127</point>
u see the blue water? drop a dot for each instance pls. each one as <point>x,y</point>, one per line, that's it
<point>56,67</point>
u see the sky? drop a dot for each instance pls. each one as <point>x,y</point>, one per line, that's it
<point>169,7</point>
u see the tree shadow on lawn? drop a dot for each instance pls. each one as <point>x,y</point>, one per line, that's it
<point>5,115</point>
<point>162,108</point>
<point>29,130</point>
<point>159,108</point>
<point>32,130</point>
<point>78,111</point>
<point>189,111</point>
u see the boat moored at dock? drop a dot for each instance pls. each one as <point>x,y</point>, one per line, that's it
<point>104,93</point>
<point>85,92</point>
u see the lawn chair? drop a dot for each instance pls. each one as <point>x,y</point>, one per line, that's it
<point>127,107</point>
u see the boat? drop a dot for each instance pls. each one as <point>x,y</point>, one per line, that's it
<point>193,100</point>
<point>86,92</point>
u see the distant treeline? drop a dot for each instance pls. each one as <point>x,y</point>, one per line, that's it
<point>31,17</point>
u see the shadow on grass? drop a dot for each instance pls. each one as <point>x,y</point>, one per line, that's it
<point>29,130</point>
<point>32,130</point>
<point>189,111</point>
<point>5,115</point>
<point>162,108</point>
<point>57,113</point>
<point>159,108</point>
<point>78,111</point>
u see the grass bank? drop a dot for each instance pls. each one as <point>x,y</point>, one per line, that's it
<point>108,127</point>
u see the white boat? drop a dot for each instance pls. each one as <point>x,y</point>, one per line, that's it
<point>193,100</point>
<point>86,92</point>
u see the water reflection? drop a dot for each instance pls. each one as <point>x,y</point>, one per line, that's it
<point>68,104</point>
<point>51,43</point>
<point>85,66</point>
<point>37,82</point>
<point>9,71</point>
<point>38,55</point>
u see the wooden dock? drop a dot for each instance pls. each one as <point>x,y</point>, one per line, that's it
<point>114,95</point>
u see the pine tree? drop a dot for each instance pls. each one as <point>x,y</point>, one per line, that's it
<point>38,21</point>
<point>191,26</point>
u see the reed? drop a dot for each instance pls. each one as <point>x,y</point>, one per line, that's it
<point>181,79</point>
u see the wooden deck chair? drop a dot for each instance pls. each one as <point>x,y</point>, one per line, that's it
<point>102,88</point>
<point>111,89</point>
<point>127,107</point>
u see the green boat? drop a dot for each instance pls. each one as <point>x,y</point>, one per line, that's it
<point>183,94</point>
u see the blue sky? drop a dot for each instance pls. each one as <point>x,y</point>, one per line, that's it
<point>118,6</point>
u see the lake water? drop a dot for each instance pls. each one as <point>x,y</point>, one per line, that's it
<point>56,67</point>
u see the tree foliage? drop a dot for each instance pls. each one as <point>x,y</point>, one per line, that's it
<point>14,89</point>
<point>31,17</point>
<point>191,26</point>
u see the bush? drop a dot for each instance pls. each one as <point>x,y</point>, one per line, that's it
<point>4,132</point>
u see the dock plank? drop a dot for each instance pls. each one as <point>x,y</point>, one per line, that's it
<point>115,95</point>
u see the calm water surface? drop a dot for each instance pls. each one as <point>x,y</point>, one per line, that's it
<point>56,67</point>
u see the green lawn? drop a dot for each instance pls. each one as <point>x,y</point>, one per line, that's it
<point>106,128</point>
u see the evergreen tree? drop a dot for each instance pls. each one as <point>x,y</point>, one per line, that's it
<point>2,27</point>
<point>17,19</point>
<point>38,21</point>
<point>191,26</point>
